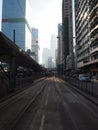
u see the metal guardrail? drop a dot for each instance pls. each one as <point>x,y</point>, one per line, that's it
<point>22,82</point>
<point>4,83</point>
<point>88,87</point>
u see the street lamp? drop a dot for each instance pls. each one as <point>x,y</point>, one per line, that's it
<point>12,75</point>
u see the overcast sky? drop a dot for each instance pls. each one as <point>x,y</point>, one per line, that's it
<point>46,14</point>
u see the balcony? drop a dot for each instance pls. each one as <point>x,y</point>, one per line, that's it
<point>94,50</point>
<point>83,49</point>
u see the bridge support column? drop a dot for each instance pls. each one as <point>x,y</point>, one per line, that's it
<point>12,75</point>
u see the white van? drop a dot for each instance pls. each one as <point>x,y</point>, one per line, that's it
<point>84,77</point>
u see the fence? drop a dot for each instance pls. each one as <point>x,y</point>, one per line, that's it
<point>88,87</point>
<point>20,83</point>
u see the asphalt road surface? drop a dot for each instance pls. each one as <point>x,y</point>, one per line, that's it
<point>48,105</point>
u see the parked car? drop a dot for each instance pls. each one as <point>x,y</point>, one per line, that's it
<point>84,77</point>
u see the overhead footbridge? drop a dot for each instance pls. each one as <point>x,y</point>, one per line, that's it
<point>9,49</point>
<point>15,59</point>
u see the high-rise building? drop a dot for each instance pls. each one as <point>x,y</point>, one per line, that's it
<point>87,35</point>
<point>50,62</point>
<point>35,45</point>
<point>67,32</point>
<point>45,57</point>
<point>59,43</point>
<point>53,45</point>
<point>82,32</point>
<point>60,50</point>
<point>16,15</point>
<point>93,18</point>
<point>53,49</point>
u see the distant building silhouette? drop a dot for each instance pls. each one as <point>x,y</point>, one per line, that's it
<point>53,50</point>
<point>53,45</point>
<point>35,44</point>
<point>45,56</point>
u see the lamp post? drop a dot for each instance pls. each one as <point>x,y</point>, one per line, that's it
<point>60,55</point>
<point>12,74</point>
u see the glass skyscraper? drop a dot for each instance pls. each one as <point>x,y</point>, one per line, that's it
<point>16,15</point>
<point>35,44</point>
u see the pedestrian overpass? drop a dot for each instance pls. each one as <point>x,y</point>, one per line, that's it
<point>15,58</point>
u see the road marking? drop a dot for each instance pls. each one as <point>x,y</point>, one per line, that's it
<point>42,122</point>
<point>66,106</point>
<point>46,102</point>
<point>58,88</point>
<point>49,89</point>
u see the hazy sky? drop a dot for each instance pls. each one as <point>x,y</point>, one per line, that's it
<point>46,14</point>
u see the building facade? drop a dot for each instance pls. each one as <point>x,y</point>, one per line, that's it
<point>16,15</point>
<point>50,62</point>
<point>60,55</point>
<point>45,57</point>
<point>94,36</point>
<point>53,45</point>
<point>67,31</point>
<point>35,45</point>
<point>86,15</point>
<point>53,49</point>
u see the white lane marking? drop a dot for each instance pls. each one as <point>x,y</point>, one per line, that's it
<point>58,88</point>
<point>46,102</point>
<point>66,107</point>
<point>42,122</point>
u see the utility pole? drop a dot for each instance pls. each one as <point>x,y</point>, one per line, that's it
<point>12,75</point>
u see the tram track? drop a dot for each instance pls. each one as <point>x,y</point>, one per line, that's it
<point>75,104</point>
<point>50,105</point>
<point>23,100</point>
<point>33,110</point>
<point>10,95</point>
<point>17,96</point>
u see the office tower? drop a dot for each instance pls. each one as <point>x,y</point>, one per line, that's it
<point>50,62</point>
<point>53,49</point>
<point>59,44</point>
<point>53,45</point>
<point>87,35</point>
<point>60,50</point>
<point>45,57</point>
<point>35,45</point>
<point>16,15</point>
<point>67,33</point>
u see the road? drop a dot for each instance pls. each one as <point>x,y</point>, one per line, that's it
<point>48,105</point>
